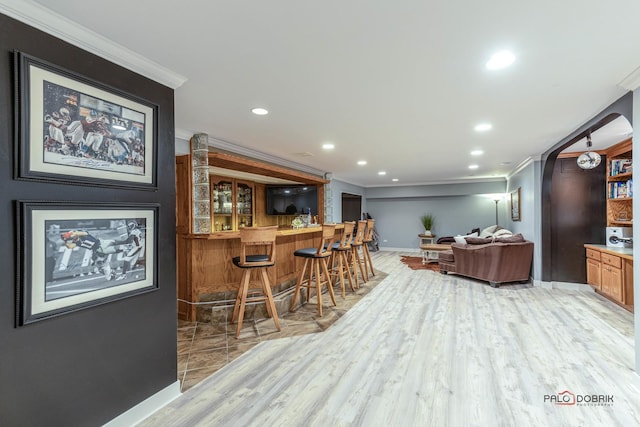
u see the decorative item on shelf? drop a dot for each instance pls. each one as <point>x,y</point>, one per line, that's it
<point>589,159</point>
<point>427,221</point>
<point>297,222</point>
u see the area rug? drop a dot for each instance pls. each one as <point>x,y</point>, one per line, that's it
<point>415,263</point>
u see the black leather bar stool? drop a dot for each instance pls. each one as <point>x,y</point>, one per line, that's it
<point>316,263</point>
<point>264,237</point>
<point>339,257</point>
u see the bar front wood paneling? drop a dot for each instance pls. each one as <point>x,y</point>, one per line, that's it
<point>205,265</point>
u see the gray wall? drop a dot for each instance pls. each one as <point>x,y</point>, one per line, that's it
<point>339,187</point>
<point>457,209</point>
<point>528,179</point>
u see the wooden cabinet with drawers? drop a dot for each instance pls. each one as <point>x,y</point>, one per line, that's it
<point>610,272</point>
<point>594,270</point>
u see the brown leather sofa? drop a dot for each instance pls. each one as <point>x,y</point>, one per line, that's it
<point>498,262</point>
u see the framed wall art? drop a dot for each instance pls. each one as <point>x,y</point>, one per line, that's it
<point>515,205</point>
<point>77,255</point>
<point>75,130</point>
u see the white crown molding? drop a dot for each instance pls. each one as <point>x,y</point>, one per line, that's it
<point>478,180</point>
<point>526,162</point>
<point>50,22</point>
<point>185,135</point>
<point>632,81</point>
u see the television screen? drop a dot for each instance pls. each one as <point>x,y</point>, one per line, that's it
<point>291,199</point>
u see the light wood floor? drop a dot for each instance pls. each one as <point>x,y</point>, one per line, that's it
<point>424,349</point>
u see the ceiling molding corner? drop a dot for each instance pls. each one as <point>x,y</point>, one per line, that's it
<point>183,134</point>
<point>52,23</point>
<point>523,164</point>
<point>632,81</point>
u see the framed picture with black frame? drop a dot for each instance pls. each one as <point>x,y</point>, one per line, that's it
<point>515,205</point>
<point>76,255</point>
<point>75,130</point>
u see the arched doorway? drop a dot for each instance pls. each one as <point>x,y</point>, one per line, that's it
<point>549,235</point>
<point>579,201</point>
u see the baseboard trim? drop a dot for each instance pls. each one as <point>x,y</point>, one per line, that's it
<point>147,407</point>
<point>563,285</point>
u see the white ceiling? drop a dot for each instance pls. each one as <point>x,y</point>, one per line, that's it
<point>399,84</point>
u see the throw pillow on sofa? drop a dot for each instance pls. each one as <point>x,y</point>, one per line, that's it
<point>488,232</point>
<point>503,232</point>
<point>515,238</point>
<point>460,239</point>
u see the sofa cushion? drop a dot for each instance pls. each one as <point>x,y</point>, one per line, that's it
<point>515,238</point>
<point>478,240</point>
<point>445,255</point>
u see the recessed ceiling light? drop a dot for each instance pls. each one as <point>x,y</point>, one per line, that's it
<point>328,146</point>
<point>483,127</point>
<point>477,153</point>
<point>500,60</point>
<point>395,180</point>
<point>362,162</point>
<point>260,111</point>
<point>382,173</point>
<point>473,166</point>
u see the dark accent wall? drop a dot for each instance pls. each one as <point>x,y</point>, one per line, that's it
<point>578,216</point>
<point>86,367</point>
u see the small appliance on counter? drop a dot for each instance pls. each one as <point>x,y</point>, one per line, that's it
<point>620,237</point>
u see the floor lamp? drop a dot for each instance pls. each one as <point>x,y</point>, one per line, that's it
<point>496,200</point>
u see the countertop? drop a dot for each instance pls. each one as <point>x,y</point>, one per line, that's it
<point>282,231</point>
<point>622,252</point>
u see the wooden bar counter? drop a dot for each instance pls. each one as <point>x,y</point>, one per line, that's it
<point>205,267</point>
<point>205,270</point>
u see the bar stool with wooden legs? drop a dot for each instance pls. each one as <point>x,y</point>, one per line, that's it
<point>339,257</point>
<point>357,263</point>
<point>316,263</point>
<point>255,236</point>
<point>368,238</point>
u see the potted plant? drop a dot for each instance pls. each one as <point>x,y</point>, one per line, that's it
<point>427,221</point>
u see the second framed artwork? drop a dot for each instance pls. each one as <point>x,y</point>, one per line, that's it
<point>77,255</point>
<point>75,130</point>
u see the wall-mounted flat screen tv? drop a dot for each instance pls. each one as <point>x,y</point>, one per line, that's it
<point>291,199</point>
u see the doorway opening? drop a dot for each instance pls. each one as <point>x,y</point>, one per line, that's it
<point>351,207</point>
